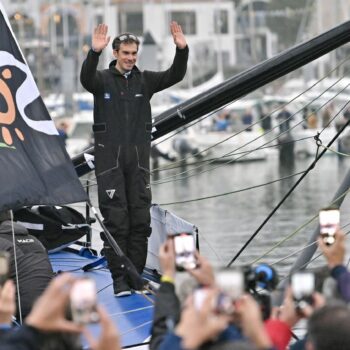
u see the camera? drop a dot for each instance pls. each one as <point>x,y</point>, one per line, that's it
<point>185,249</point>
<point>329,222</point>
<point>303,286</point>
<point>4,267</point>
<point>260,281</point>
<point>83,301</point>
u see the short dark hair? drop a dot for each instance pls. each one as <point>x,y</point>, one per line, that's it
<point>128,38</point>
<point>328,328</point>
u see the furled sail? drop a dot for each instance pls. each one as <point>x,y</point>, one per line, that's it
<point>35,168</point>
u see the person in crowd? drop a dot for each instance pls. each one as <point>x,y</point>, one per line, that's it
<point>335,255</point>
<point>327,115</point>
<point>265,118</point>
<point>222,121</point>
<point>122,129</point>
<point>284,118</point>
<point>328,329</point>
<point>33,265</point>
<point>247,119</point>
<point>49,315</point>
<point>156,153</point>
<point>312,119</point>
<point>170,327</point>
<point>62,129</point>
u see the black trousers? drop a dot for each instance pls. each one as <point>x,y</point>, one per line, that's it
<point>124,195</point>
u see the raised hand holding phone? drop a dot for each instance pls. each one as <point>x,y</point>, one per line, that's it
<point>303,287</point>
<point>329,224</point>
<point>83,301</point>
<point>184,246</point>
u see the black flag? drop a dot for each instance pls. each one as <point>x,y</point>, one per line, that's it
<point>34,165</point>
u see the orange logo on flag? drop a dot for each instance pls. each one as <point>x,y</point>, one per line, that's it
<point>8,117</point>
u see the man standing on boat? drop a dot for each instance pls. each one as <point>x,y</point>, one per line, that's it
<point>122,129</point>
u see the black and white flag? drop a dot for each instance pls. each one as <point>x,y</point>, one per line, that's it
<point>34,165</point>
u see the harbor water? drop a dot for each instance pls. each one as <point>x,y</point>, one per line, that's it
<point>226,222</point>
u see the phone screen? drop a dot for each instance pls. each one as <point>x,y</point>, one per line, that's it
<point>4,267</point>
<point>184,251</point>
<point>329,222</point>
<point>303,285</point>
<point>83,301</point>
<point>231,282</point>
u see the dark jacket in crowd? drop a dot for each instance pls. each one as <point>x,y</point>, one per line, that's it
<point>167,313</point>
<point>342,276</point>
<point>34,268</point>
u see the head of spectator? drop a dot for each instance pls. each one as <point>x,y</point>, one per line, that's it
<point>328,329</point>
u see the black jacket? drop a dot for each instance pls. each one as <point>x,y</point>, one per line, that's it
<point>166,314</point>
<point>122,110</point>
<point>34,268</point>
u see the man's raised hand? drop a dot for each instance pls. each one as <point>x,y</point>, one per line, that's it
<point>178,35</point>
<point>99,38</point>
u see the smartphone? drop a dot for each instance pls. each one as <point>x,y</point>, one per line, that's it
<point>231,282</point>
<point>329,223</point>
<point>83,301</point>
<point>4,267</point>
<point>185,248</point>
<point>222,304</point>
<point>303,286</point>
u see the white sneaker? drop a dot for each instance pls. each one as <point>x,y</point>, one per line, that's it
<point>123,293</point>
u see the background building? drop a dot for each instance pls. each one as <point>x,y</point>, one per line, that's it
<point>224,35</point>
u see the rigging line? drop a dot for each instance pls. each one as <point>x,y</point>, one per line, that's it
<point>297,251</point>
<point>168,179</point>
<point>16,268</point>
<point>203,161</point>
<point>187,126</point>
<point>263,146</point>
<point>268,115</point>
<point>292,234</point>
<point>278,108</point>
<point>161,182</point>
<point>248,152</point>
<point>232,192</point>
<point>312,165</point>
<point>175,178</point>
<point>147,297</point>
<point>283,105</point>
<point>336,152</point>
<point>304,265</point>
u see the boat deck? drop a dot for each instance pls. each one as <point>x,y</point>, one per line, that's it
<point>132,314</point>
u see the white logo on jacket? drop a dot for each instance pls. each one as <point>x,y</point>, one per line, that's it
<point>110,193</point>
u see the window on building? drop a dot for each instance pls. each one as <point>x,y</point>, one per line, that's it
<point>99,19</point>
<point>187,21</point>
<point>221,22</point>
<point>131,22</point>
<point>22,25</point>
